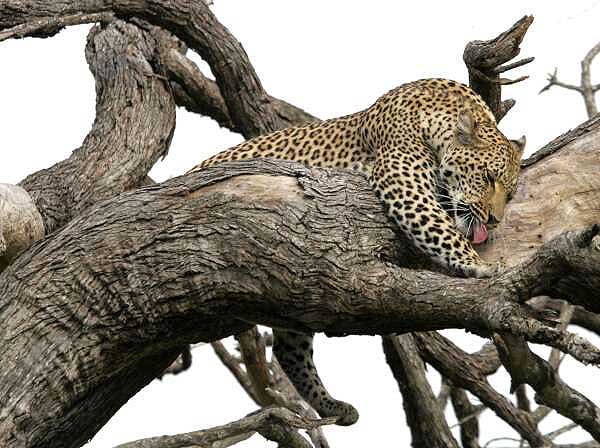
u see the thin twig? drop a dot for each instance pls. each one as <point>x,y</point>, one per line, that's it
<point>560,431</point>
<point>233,365</point>
<point>586,88</point>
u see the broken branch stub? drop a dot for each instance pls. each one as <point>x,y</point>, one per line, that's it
<point>20,223</point>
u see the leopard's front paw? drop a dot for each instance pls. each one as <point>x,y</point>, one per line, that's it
<point>485,270</point>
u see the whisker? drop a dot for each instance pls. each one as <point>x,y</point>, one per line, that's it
<point>444,196</point>
<point>471,219</point>
<point>454,206</point>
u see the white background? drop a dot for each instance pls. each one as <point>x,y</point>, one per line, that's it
<point>331,58</point>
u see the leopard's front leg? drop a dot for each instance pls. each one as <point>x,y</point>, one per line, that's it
<point>405,182</point>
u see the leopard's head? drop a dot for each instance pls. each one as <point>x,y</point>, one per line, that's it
<point>478,175</point>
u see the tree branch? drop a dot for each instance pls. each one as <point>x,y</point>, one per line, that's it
<point>586,81</point>
<point>275,424</point>
<point>424,416</point>
<point>586,88</point>
<point>233,364</point>
<point>49,26</point>
<point>133,128</point>
<point>484,61</point>
<point>252,349</point>
<point>249,106</point>
<point>461,370</point>
<point>201,95</point>
<point>466,413</point>
<point>526,367</point>
<point>368,285</point>
<point>342,286</point>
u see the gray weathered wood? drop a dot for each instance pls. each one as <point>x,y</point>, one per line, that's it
<point>209,254</point>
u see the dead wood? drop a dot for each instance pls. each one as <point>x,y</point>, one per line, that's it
<point>131,280</point>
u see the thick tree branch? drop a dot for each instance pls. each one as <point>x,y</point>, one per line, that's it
<point>462,371</point>
<point>133,128</point>
<point>201,95</point>
<point>224,225</point>
<point>424,415</point>
<point>249,106</point>
<point>500,308</point>
<point>526,367</point>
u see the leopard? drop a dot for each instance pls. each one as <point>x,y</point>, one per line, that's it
<point>444,172</point>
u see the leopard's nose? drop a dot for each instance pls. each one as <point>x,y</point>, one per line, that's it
<point>492,220</point>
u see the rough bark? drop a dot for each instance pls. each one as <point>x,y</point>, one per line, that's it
<point>424,416</point>
<point>525,366</point>
<point>209,254</point>
<point>557,191</point>
<point>194,23</point>
<point>225,248</point>
<point>276,424</point>
<point>135,120</point>
<point>484,61</point>
<point>201,95</point>
<point>464,371</point>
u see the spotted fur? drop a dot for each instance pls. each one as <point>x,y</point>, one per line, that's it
<point>435,158</point>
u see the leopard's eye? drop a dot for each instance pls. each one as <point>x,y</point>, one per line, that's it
<point>491,178</point>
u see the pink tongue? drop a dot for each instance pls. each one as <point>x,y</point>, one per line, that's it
<point>480,233</point>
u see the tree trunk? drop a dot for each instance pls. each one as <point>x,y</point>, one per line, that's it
<point>104,304</point>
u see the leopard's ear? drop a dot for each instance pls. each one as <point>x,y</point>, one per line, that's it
<point>519,146</point>
<point>465,127</point>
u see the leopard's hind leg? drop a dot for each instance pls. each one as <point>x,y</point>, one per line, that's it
<point>294,351</point>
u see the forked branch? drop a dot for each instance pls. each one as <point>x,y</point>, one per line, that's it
<point>585,88</point>
<point>273,423</point>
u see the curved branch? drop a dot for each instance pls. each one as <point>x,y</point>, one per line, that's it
<point>249,105</point>
<point>463,371</point>
<point>198,94</point>
<point>586,81</point>
<point>585,88</point>
<point>249,249</point>
<point>525,366</point>
<point>273,423</point>
<point>133,128</point>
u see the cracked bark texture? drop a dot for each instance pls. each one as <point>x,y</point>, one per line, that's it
<point>135,120</point>
<point>195,24</point>
<point>207,255</point>
<point>131,280</point>
<point>424,414</point>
